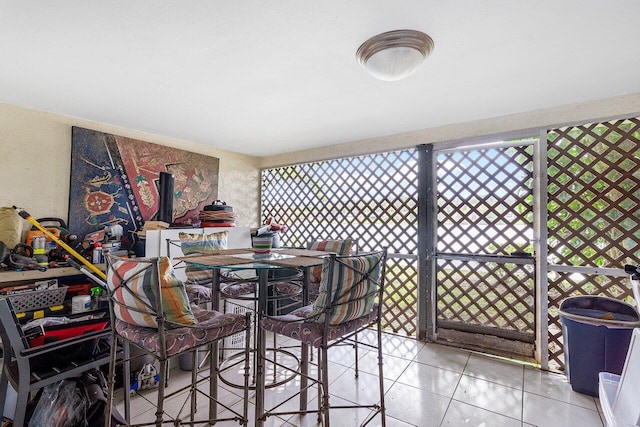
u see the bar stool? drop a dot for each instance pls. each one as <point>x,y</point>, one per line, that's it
<point>150,310</point>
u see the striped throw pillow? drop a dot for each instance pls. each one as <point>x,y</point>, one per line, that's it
<point>144,281</point>
<point>352,294</point>
<point>339,247</point>
<point>201,243</point>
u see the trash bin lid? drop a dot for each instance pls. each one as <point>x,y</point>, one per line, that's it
<point>598,310</point>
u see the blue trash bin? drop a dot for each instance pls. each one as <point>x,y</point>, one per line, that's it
<point>596,331</point>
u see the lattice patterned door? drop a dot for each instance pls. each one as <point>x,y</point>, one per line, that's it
<point>484,265</point>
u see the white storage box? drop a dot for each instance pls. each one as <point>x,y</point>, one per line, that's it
<point>235,343</point>
<point>620,394</point>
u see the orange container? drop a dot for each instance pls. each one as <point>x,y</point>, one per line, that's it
<point>51,244</point>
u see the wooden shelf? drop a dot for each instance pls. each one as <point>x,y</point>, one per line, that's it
<point>35,275</point>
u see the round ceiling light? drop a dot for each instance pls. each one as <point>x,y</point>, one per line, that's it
<point>394,55</point>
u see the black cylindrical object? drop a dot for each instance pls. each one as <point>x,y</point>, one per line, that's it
<point>165,190</point>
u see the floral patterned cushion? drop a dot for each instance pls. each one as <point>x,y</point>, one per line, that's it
<point>339,247</point>
<point>293,325</point>
<point>210,325</point>
<point>287,288</point>
<point>135,300</point>
<point>198,293</point>
<point>312,292</point>
<point>234,289</point>
<point>281,288</point>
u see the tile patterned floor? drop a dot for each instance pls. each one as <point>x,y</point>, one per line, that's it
<point>430,385</point>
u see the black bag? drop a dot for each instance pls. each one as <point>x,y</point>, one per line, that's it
<point>95,386</point>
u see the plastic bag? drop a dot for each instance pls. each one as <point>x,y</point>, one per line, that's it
<point>10,227</point>
<point>95,385</point>
<point>61,405</point>
<point>45,321</point>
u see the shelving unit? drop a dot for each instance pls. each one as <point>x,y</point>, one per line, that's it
<point>10,276</point>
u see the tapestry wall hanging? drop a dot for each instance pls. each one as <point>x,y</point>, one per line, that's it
<point>114,180</point>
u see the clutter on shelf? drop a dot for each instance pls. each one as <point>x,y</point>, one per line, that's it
<point>45,245</point>
<point>107,240</point>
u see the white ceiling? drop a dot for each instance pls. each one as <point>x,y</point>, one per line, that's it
<point>275,76</point>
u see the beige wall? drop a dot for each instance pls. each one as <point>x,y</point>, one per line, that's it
<point>36,151</point>
<point>586,112</point>
<point>35,162</point>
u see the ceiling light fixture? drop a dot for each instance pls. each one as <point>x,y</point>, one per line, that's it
<point>394,55</point>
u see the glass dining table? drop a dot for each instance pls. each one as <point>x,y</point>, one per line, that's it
<point>247,259</point>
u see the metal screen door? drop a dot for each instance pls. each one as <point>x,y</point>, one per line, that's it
<point>484,264</point>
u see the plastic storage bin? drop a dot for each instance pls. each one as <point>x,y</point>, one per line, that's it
<point>619,393</point>
<point>36,300</point>
<point>597,331</point>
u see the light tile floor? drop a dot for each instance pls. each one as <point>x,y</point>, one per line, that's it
<point>428,385</point>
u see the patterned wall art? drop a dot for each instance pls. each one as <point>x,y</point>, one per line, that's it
<point>114,180</point>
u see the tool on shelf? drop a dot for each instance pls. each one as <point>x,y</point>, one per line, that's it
<point>24,214</point>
